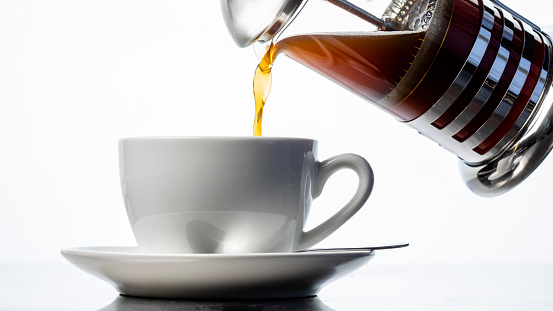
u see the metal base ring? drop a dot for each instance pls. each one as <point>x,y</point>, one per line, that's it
<point>505,172</point>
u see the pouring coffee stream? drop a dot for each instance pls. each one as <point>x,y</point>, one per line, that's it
<point>472,75</point>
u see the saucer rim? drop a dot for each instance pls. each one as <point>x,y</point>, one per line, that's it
<point>133,251</point>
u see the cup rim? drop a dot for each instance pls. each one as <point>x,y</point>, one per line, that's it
<point>216,138</point>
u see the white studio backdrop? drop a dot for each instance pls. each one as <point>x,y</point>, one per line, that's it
<point>75,76</point>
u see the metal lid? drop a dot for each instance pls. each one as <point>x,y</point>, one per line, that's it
<point>249,21</point>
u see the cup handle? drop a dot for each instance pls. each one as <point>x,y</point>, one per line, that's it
<point>324,170</point>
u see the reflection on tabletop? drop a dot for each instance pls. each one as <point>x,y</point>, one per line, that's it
<point>135,303</point>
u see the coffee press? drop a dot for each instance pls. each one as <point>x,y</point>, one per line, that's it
<point>479,84</point>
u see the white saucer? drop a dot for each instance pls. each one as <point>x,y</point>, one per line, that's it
<point>215,276</point>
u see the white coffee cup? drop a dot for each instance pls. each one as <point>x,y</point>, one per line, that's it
<point>230,194</point>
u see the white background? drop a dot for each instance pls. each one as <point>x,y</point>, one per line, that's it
<point>75,76</point>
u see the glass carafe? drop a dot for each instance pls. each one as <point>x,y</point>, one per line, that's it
<point>472,75</point>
